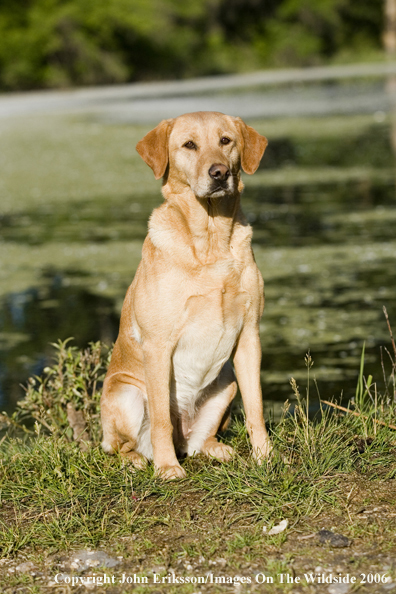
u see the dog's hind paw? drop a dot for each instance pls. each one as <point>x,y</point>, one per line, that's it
<point>220,451</point>
<point>139,461</point>
<point>169,473</point>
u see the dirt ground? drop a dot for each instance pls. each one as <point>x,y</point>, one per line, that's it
<point>198,545</point>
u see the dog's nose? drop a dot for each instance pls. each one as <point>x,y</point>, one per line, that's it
<point>219,171</point>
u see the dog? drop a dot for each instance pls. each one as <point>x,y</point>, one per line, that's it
<point>195,302</point>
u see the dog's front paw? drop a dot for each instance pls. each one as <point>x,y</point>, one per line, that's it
<point>220,451</point>
<point>262,453</point>
<point>169,473</point>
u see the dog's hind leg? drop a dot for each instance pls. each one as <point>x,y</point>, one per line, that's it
<point>123,413</point>
<point>138,460</point>
<point>212,415</point>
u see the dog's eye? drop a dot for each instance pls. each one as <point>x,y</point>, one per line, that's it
<point>190,145</point>
<point>225,140</point>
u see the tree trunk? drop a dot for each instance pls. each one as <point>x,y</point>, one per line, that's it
<point>389,36</point>
<point>389,39</point>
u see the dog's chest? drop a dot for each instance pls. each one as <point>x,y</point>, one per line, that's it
<point>213,321</point>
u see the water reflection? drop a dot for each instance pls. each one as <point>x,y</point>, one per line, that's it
<point>305,316</point>
<point>32,319</point>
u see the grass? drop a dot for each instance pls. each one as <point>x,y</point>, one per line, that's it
<point>325,472</point>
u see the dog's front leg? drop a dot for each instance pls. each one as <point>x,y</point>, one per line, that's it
<point>157,368</point>
<point>247,361</point>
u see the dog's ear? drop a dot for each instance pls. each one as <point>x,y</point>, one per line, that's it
<point>153,148</point>
<point>253,147</point>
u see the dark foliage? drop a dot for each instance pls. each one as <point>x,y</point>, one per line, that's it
<point>56,43</point>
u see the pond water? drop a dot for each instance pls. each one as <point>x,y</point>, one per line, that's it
<point>75,204</point>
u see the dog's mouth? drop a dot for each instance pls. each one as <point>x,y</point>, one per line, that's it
<point>215,189</point>
<point>219,189</point>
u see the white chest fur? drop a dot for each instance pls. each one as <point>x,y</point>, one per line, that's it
<point>214,323</point>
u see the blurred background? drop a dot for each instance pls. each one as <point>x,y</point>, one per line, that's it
<point>58,43</point>
<point>82,81</point>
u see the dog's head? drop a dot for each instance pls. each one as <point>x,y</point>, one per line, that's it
<point>204,151</point>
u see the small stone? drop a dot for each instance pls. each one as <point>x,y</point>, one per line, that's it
<point>61,577</point>
<point>25,567</point>
<point>4,561</point>
<point>338,588</point>
<point>82,560</point>
<point>276,529</point>
<point>158,569</point>
<point>93,563</point>
<point>334,540</point>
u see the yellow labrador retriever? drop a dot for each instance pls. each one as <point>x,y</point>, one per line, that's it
<point>195,302</point>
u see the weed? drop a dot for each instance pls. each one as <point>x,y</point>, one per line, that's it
<point>74,379</point>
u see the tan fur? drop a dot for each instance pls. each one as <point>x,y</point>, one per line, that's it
<point>196,300</point>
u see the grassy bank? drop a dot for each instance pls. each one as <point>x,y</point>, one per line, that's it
<point>334,472</point>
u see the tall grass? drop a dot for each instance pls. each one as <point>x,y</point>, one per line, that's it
<point>53,495</point>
